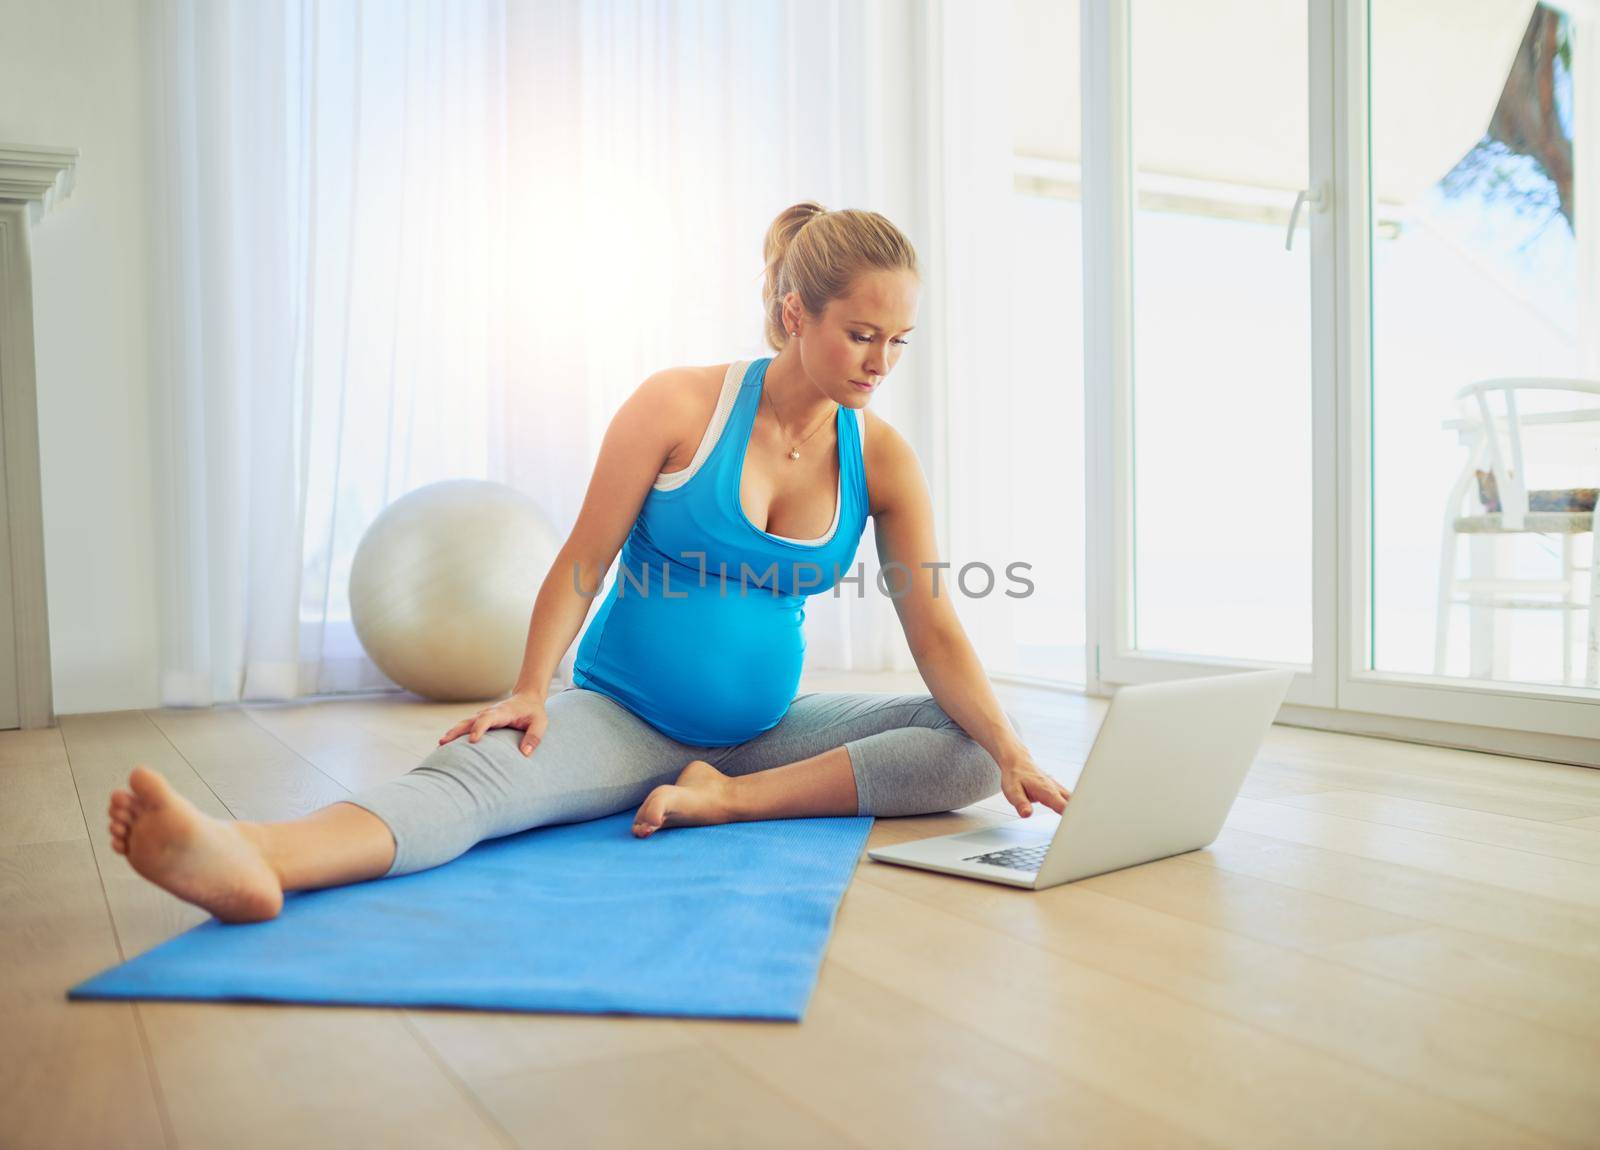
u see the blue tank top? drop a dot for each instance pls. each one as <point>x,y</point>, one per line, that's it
<point>701,634</point>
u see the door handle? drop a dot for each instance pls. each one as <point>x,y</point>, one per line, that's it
<point>1315,198</point>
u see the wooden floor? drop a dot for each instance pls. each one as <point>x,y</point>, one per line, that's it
<point>1388,945</point>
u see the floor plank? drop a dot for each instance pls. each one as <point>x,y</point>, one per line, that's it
<point>1483,863</point>
<point>1222,1080</point>
<point>878,1056</point>
<point>42,745</point>
<point>254,774</point>
<point>298,1077</point>
<point>1503,797</point>
<point>1527,982</point>
<point>1468,779</point>
<point>1535,836</point>
<point>1518,1071</point>
<point>328,738</point>
<point>692,1097</point>
<point>72,1074</point>
<point>1429,896</point>
<point>39,804</point>
<point>1330,749</point>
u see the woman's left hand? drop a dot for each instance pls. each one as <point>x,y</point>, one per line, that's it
<point>1023,784</point>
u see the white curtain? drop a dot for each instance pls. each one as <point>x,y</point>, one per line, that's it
<point>400,243</point>
<point>976,462</point>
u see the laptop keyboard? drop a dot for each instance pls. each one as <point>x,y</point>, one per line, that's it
<point>1017,858</point>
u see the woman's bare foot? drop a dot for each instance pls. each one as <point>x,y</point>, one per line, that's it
<point>181,849</point>
<point>702,796</point>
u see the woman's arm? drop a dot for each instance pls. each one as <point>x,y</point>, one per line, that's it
<point>903,514</point>
<point>638,441</point>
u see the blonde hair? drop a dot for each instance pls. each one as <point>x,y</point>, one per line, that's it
<point>818,254</point>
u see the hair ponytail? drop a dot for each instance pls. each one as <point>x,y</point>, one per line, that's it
<point>818,254</point>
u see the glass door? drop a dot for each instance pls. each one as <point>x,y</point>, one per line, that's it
<point>1481,418</point>
<point>1342,358</point>
<point>1215,189</point>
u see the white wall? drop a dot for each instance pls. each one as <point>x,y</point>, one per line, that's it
<point>71,76</point>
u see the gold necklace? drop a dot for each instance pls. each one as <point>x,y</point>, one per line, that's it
<point>794,448</point>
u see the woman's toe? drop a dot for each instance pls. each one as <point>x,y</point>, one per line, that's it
<point>651,812</point>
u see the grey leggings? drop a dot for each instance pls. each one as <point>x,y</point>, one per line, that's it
<point>597,758</point>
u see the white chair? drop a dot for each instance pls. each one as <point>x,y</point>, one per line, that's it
<point>1493,431</point>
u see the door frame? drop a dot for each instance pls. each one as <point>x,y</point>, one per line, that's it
<point>23,505</point>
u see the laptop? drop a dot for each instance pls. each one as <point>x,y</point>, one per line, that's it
<point>1165,767</point>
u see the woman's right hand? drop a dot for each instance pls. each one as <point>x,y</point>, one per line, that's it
<point>523,712</point>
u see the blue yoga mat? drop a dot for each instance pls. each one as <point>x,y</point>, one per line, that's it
<point>715,922</point>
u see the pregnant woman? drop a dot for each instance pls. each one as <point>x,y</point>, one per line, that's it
<point>733,492</point>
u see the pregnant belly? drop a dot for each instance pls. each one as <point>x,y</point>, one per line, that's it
<point>704,669</point>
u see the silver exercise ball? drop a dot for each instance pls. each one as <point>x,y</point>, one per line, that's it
<point>443,584</point>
